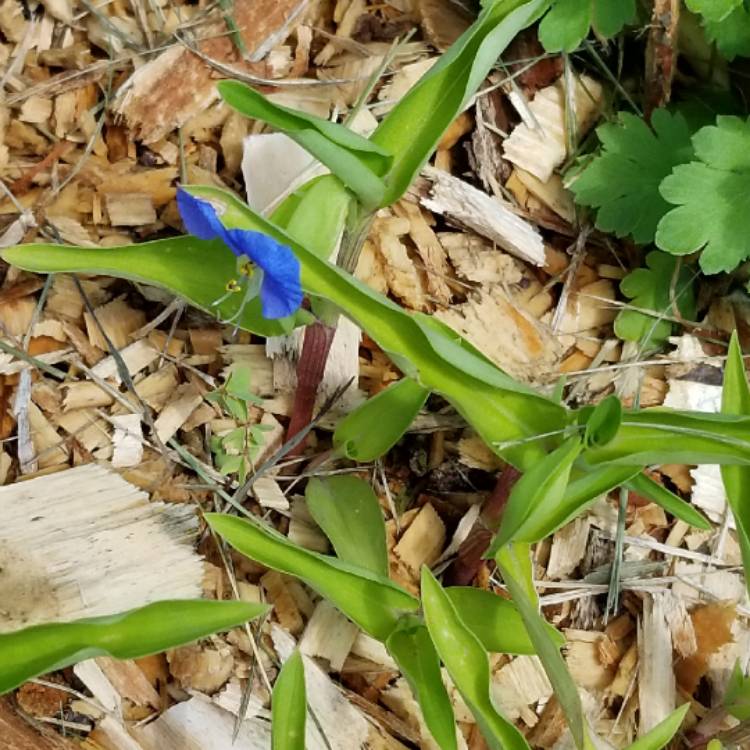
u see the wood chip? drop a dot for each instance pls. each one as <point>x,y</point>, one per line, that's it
<point>117,319</point>
<point>185,401</point>
<point>518,685</point>
<point>127,442</point>
<point>130,209</point>
<point>269,495</point>
<point>422,543</point>
<point>285,607</point>
<point>328,635</point>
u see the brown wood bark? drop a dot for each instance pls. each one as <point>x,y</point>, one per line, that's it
<point>18,734</point>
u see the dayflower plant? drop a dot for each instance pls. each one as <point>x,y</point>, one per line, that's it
<point>266,267</point>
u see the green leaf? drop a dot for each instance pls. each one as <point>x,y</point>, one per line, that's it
<point>238,383</point>
<point>371,601</point>
<point>547,648</point>
<point>467,664</point>
<point>648,488</point>
<point>495,621</point>
<point>603,422</point>
<point>712,198</point>
<point>737,696</point>
<point>568,22</point>
<point>372,429</point>
<point>412,648</point>
<point>346,508</point>
<point>538,491</point>
<point>732,33</point>
<point>359,163</point>
<point>735,400</point>
<point>26,653</point>
<point>622,182</point>
<point>713,10</point>
<point>191,268</point>
<point>413,128</point>
<point>651,288</point>
<point>289,706</point>
<point>663,733</point>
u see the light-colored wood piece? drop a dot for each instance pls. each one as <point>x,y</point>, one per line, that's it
<point>328,635</point>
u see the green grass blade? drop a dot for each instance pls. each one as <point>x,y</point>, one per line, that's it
<point>735,400</point>
<point>663,733</point>
<point>673,504</point>
<point>546,648</point>
<point>371,601</point>
<point>346,508</point>
<point>128,635</point>
<point>412,648</point>
<point>412,129</point>
<point>496,621</point>
<point>372,429</point>
<point>466,661</point>
<point>289,706</point>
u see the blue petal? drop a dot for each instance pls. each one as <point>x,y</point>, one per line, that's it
<point>280,291</point>
<point>199,217</point>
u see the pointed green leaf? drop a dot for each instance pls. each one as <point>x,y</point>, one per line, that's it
<point>413,128</point>
<point>128,635</point>
<point>289,706</point>
<point>663,733</point>
<point>371,601</point>
<point>356,161</point>
<point>346,508</point>
<point>412,648</point>
<point>372,429</point>
<point>466,661</point>
<point>495,621</point>
<point>603,421</point>
<point>647,487</point>
<point>735,400</point>
<point>737,696</point>
<point>540,488</point>
<point>546,647</point>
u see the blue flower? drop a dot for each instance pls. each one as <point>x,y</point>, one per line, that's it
<point>280,289</point>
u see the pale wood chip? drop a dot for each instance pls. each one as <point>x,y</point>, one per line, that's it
<point>518,685</point>
<point>86,427</point>
<point>328,635</point>
<point>284,604</point>
<point>583,659</point>
<point>422,543</point>
<point>569,546</point>
<point>201,667</point>
<point>118,320</point>
<point>136,356</point>
<point>49,448</point>
<point>488,216</point>
<point>187,398</point>
<point>542,146</point>
<point>478,260</point>
<point>129,681</point>
<point>127,442</point>
<point>303,530</point>
<point>130,209</point>
<point>269,495</point>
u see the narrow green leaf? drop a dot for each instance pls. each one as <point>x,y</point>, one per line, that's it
<point>467,664</point>
<point>603,422</point>
<point>546,648</point>
<point>191,268</point>
<point>356,161</point>
<point>737,696</point>
<point>346,508</point>
<point>372,429</point>
<point>647,487</point>
<point>413,128</point>
<point>735,400</point>
<point>371,601</point>
<point>289,706</point>
<point>495,621</point>
<point>412,648</point>
<point>128,635</point>
<point>541,487</point>
<point>663,733</point>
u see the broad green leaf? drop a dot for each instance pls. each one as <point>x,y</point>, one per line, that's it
<point>191,268</point>
<point>357,162</point>
<point>372,429</point>
<point>547,648</point>
<point>735,400</point>
<point>371,601</point>
<point>732,33</point>
<point>413,128</point>
<point>622,181</point>
<point>289,706</point>
<point>346,508</point>
<point>679,508</point>
<point>26,653</point>
<point>665,436</point>
<point>568,21</point>
<point>709,215</point>
<point>663,733</point>
<point>412,648</point>
<point>652,289</point>
<point>495,621</point>
<point>713,10</point>
<point>466,661</point>
<point>737,696</point>
<point>603,421</point>
<point>539,490</point>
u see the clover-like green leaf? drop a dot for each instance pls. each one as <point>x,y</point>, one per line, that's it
<point>727,24</point>
<point>568,22</point>
<point>712,198</point>
<point>653,289</point>
<point>622,182</point>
